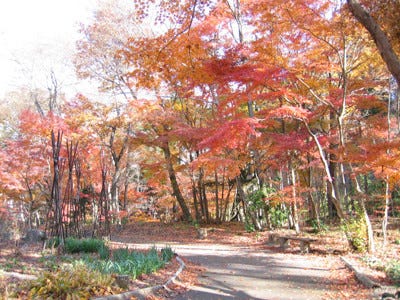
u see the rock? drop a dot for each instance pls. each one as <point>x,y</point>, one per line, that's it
<point>122,281</point>
<point>201,233</point>
<point>389,296</point>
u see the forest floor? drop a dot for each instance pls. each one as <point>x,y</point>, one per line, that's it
<point>338,281</point>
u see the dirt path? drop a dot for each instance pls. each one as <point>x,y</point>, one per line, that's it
<point>239,273</point>
<point>241,265</point>
<point>234,272</point>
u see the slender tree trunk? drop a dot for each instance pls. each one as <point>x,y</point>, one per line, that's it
<point>328,171</point>
<point>217,215</point>
<point>361,201</point>
<point>205,200</point>
<point>203,196</point>
<point>387,187</point>
<point>126,189</point>
<point>294,202</point>
<point>195,200</point>
<point>200,197</point>
<point>55,191</point>
<point>226,205</point>
<point>174,183</point>
<point>114,194</point>
<point>370,232</point>
<point>386,212</point>
<point>247,211</point>
<point>195,193</point>
<point>313,208</point>
<point>332,188</point>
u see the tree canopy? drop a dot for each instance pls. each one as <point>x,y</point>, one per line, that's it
<point>226,110</point>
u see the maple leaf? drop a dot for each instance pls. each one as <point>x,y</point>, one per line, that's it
<point>233,134</point>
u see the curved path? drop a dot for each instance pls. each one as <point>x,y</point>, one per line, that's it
<point>234,272</point>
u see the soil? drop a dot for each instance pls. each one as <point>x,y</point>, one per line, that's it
<point>341,282</point>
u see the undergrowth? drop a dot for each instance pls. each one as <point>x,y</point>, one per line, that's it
<point>391,268</point>
<point>70,282</point>
<point>131,262</point>
<point>74,245</point>
<point>92,275</point>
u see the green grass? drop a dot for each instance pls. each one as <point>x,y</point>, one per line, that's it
<point>73,245</point>
<point>131,262</point>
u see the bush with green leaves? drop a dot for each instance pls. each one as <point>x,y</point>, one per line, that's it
<point>104,252</point>
<point>73,245</point>
<point>249,227</point>
<point>356,233</point>
<point>321,227</point>
<point>167,254</point>
<point>278,216</point>
<point>256,199</point>
<point>393,270</point>
<point>53,242</point>
<point>130,262</point>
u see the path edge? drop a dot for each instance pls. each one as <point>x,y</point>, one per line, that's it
<point>142,293</point>
<point>361,277</point>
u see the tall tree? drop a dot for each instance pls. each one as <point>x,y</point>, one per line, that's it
<point>380,38</point>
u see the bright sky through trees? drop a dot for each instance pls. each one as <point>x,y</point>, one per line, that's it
<point>27,28</point>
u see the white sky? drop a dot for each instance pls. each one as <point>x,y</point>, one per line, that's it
<point>40,35</point>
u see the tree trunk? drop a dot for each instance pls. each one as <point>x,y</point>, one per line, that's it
<point>313,208</point>
<point>58,226</point>
<point>195,201</point>
<point>247,211</point>
<point>294,202</point>
<point>380,38</point>
<point>331,184</point>
<point>203,197</point>
<point>386,213</point>
<point>226,199</point>
<point>174,183</point>
<point>114,194</point>
<point>217,211</point>
<point>331,188</point>
<point>370,233</point>
<point>194,192</point>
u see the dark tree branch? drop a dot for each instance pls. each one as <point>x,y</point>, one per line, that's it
<point>380,38</point>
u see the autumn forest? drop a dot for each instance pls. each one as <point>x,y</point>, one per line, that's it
<point>269,113</point>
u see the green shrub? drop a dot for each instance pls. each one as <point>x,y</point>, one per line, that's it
<point>321,228</point>
<point>393,270</point>
<point>167,254</point>
<point>122,254</point>
<point>278,216</point>
<point>53,242</point>
<point>132,263</point>
<point>104,252</point>
<point>73,245</point>
<point>249,227</point>
<point>356,234</point>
